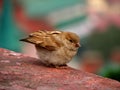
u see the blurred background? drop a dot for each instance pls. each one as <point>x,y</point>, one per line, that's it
<point>97,22</point>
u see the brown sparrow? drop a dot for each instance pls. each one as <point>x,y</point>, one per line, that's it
<point>54,48</point>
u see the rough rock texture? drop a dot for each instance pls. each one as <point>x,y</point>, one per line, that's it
<point>20,72</point>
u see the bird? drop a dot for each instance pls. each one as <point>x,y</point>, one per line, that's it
<point>54,48</point>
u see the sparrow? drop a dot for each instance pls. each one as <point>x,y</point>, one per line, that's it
<point>54,48</point>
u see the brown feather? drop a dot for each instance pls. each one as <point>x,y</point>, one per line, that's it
<point>54,47</point>
<point>45,39</point>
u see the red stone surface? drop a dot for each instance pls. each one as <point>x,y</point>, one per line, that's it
<point>20,72</point>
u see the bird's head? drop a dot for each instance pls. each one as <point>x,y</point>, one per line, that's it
<point>72,40</point>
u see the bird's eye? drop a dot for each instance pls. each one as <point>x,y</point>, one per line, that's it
<point>71,40</point>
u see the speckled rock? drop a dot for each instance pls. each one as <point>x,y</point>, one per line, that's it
<point>21,72</point>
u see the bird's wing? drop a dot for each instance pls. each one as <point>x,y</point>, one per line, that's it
<point>45,39</point>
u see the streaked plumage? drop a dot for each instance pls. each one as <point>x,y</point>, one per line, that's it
<point>54,47</point>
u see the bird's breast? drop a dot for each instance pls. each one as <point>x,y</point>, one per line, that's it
<point>58,57</point>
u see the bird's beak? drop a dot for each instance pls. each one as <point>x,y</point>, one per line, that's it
<point>77,45</point>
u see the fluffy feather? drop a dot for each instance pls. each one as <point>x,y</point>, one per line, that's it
<point>54,47</point>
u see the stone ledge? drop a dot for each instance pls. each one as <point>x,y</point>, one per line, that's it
<point>21,72</point>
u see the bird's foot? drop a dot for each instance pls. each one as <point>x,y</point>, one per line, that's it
<point>61,66</point>
<point>64,66</point>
